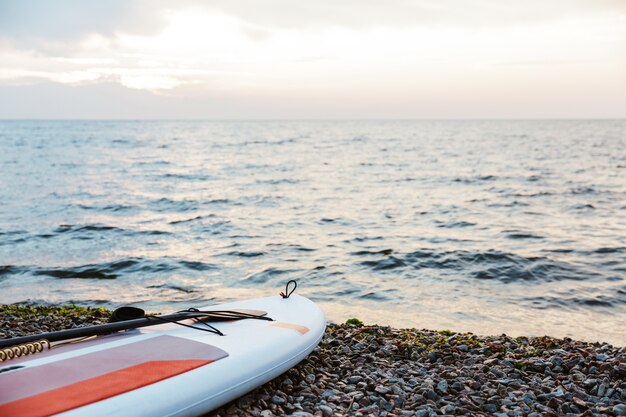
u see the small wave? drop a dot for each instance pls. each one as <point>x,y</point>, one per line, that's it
<point>560,250</point>
<point>513,268</point>
<point>265,276</point>
<point>278,181</point>
<point>111,207</point>
<point>85,232</point>
<point>150,163</point>
<point>252,142</point>
<point>122,264</point>
<point>378,252</point>
<point>169,205</point>
<point>489,265</point>
<point>398,180</point>
<point>522,235</point>
<point>390,262</point>
<point>533,195</point>
<point>376,296</point>
<point>173,287</point>
<point>193,219</point>
<point>144,232</point>
<point>13,237</point>
<point>13,232</point>
<point>68,228</point>
<point>10,270</point>
<point>262,201</point>
<point>110,270</point>
<point>454,225</point>
<point>610,250</point>
<point>83,273</point>
<point>302,248</point>
<point>150,266</point>
<point>218,201</point>
<point>286,141</point>
<point>583,191</point>
<point>217,228</point>
<point>198,266</point>
<point>583,207</point>
<point>472,180</point>
<point>514,203</point>
<point>361,239</point>
<point>292,246</point>
<point>600,301</point>
<point>245,254</point>
<point>188,177</point>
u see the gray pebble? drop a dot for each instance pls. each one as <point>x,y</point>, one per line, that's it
<point>382,390</point>
<point>329,393</point>
<point>422,413</point>
<point>326,410</point>
<point>619,410</point>
<point>442,386</point>
<point>278,400</point>
<point>431,395</point>
<point>354,379</point>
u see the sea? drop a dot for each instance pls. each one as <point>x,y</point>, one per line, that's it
<point>515,227</point>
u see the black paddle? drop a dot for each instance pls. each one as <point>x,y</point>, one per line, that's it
<point>127,318</point>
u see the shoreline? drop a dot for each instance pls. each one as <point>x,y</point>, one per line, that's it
<point>377,370</point>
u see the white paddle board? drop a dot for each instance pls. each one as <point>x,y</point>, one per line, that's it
<point>164,370</point>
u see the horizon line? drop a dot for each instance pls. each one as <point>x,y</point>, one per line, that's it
<point>320,119</point>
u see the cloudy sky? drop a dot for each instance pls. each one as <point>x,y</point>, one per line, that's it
<point>312,59</point>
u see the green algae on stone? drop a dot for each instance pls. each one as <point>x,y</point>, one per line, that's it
<point>70,311</point>
<point>354,321</point>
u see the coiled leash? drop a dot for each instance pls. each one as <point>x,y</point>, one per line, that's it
<point>23,349</point>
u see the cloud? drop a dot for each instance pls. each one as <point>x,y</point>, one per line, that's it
<point>29,23</point>
<point>66,20</point>
<point>358,14</point>
<point>254,52</point>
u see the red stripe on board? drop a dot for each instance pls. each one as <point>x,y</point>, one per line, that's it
<point>298,328</point>
<point>35,380</point>
<point>97,389</point>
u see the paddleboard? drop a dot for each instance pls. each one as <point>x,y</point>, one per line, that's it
<point>163,370</point>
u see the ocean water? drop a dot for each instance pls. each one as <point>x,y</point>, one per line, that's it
<point>514,227</point>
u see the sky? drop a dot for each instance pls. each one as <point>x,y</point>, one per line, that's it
<point>323,59</point>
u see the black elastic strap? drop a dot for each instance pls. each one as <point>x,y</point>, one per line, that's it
<point>287,293</point>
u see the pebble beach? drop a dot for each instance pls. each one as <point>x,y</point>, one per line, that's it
<point>361,369</point>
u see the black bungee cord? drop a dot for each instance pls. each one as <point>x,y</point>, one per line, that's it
<point>287,293</point>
